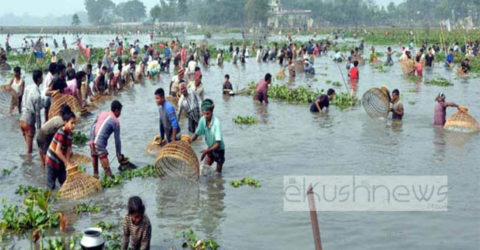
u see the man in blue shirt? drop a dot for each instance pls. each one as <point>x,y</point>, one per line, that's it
<point>168,118</point>
<point>449,59</point>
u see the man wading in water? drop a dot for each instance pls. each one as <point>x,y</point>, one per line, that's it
<point>168,118</point>
<point>103,127</point>
<point>261,93</point>
<point>397,107</point>
<point>210,127</point>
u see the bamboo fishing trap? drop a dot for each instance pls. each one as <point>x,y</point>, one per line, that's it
<point>178,159</point>
<point>79,185</point>
<point>8,99</point>
<point>461,122</point>
<point>59,99</point>
<point>376,102</point>
<point>408,66</point>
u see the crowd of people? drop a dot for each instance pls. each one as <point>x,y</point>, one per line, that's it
<point>183,96</point>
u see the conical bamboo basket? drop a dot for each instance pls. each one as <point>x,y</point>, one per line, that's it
<point>8,98</point>
<point>79,185</point>
<point>376,102</point>
<point>178,159</point>
<point>461,122</point>
<point>59,99</point>
<point>408,66</point>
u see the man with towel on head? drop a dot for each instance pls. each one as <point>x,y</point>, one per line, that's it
<point>209,126</point>
<point>175,83</point>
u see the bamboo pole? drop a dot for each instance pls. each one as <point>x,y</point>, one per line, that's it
<point>314,219</point>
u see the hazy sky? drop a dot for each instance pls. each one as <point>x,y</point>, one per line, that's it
<point>61,7</point>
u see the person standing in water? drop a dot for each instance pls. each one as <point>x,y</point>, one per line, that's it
<point>210,127</point>
<point>441,110</point>
<point>168,118</point>
<point>389,61</point>
<point>189,103</point>
<point>227,85</point>
<point>32,107</point>
<point>261,92</point>
<point>397,107</point>
<point>137,230</point>
<point>323,101</point>
<point>60,151</point>
<point>105,125</point>
<point>17,84</point>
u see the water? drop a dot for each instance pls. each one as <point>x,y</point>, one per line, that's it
<point>289,141</point>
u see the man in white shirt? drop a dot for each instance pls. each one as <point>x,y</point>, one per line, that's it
<point>32,106</point>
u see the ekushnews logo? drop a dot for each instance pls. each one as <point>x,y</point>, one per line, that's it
<point>367,193</point>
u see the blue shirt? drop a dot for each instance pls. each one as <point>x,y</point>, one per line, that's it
<point>168,120</point>
<point>449,58</point>
<point>167,52</point>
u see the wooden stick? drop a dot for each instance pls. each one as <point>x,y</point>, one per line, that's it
<point>314,219</point>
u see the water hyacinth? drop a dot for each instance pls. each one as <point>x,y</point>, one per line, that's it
<point>304,94</point>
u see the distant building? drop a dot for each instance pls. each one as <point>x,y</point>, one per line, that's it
<point>278,17</point>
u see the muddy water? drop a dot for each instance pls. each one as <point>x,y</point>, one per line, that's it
<point>289,141</point>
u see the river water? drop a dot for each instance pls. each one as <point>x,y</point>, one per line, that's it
<point>289,140</point>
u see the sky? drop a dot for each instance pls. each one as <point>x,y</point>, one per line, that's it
<point>42,8</point>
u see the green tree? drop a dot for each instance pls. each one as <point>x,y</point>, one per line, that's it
<point>131,11</point>
<point>182,9</point>
<point>75,20</point>
<point>99,11</point>
<point>256,11</point>
<point>156,13</point>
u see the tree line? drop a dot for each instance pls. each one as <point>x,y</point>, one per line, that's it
<point>238,13</point>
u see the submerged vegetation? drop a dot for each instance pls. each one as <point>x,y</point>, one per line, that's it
<point>248,120</point>
<point>117,179</point>
<point>304,94</point>
<point>79,138</point>
<point>246,181</point>
<point>439,82</point>
<point>192,241</point>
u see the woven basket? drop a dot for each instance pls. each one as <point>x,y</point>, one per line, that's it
<point>408,66</point>
<point>59,99</point>
<point>376,102</point>
<point>78,159</point>
<point>461,122</point>
<point>178,159</point>
<point>79,185</point>
<point>8,98</point>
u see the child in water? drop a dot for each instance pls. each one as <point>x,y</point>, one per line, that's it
<point>137,229</point>
<point>60,151</point>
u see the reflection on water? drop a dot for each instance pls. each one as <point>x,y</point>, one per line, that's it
<point>184,205</point>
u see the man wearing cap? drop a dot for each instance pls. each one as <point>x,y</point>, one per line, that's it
<point>175,83</point>
<point>168,118</point>
<point>210,127</point>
